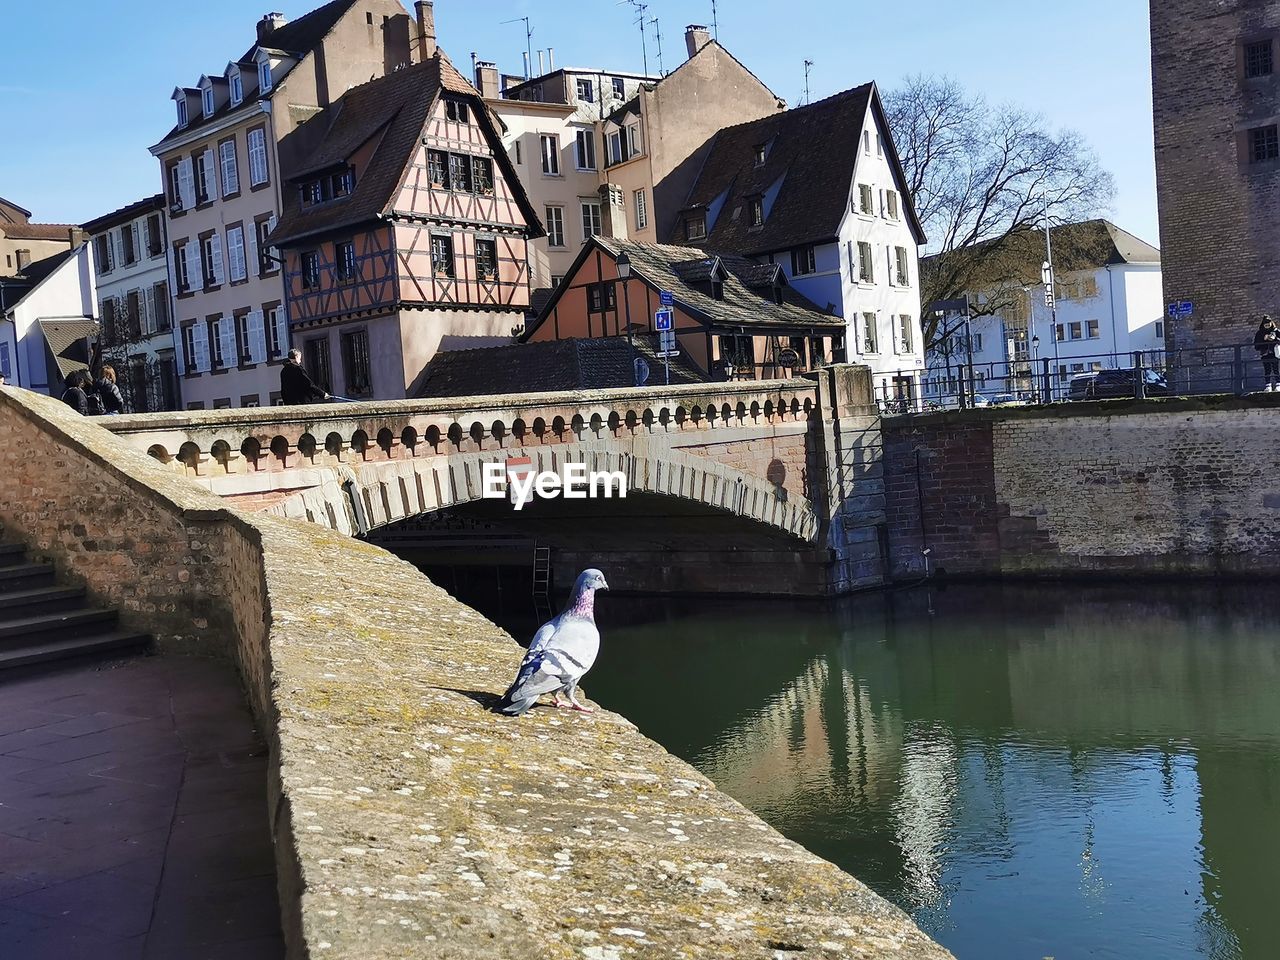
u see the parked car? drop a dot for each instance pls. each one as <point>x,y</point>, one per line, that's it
<point>1008,400</point>
<point>1118,384</point>
<point>1080,386</point>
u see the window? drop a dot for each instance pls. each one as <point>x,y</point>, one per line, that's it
<point>211,259</point>
<point>264,228</point>
<point>438,168</point>
<point>181,272</point>
<point>1258,61</point>
<point>635,141</point>
<point>108,313</point>
<point>182,110</point>
<point>344,258</point>
<point>264,76</point>
<point>975,342</point>
<point>619,88</point>
<point>1159,329</point>
<point>175,185</point>
<point>236,265</point>
<point>905,339</point>
<point>616,152</point>
<point>866,200</point>
<point>601,297</point>
<point>482,174</point>
<point>802,260</point>
<point>442,255</point>
<point>1060,332</point>
<point>870,335</point>
<point>903,276</point>
<point>1076,330</point>
<point>6,370</point>
<point>128,250</point>
<point>195,347</point>
<point>454,110</point>
<point>315,355</point>
<point>879,145</point>
<point>224,343</point>
<point>555,226</point>
<point>206,101</point>
<point>343,183</point>
<point>155,237</point>
<point>642,210</point>
<point>236,88</point>
<point>102,250</point>
<point>230,174</point>
<point>695,227</point>
<point>550,154</point>
<point>866,268</point>
<point>277,333</point>
<point>257,157</point>
<point>586,91</point>
<point>760,154</point>
<point>515,152</point>
<point>891,204</point>
<point>590,218</point>
<point>757,211</point>
<point>866,141</point>
<point>556,280</point>
<point>487,259</point>
<point>585,150</point>
<point>355,363</point>
<point>160,307</point>
<point>460,172</point>
<point>202,177</point>
<point>1092,330</point>
<point>253,346</point>
<point>1264,144</point>
<point>310,270</point>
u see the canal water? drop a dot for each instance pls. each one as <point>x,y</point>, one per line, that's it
<point>1029,771</point>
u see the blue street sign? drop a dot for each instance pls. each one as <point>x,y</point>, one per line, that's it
<point>1185,307</point>
<point>1173,311</point>
<point>662,320</point>
<point>667,299</point>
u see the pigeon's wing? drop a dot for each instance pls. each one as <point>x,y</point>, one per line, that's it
<point>544,634</point>
<point>542,675</point>
<point>575,645</point>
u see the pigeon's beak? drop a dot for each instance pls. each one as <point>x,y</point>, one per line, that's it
<point>602,585</point>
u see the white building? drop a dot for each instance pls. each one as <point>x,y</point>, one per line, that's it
<point>128,248</point>
<point>1109,304</point>
<point>820,191</point>
<point>47,328</point>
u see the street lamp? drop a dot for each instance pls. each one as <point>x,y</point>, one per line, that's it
<point>623,263</point>
<point>1035,346</point>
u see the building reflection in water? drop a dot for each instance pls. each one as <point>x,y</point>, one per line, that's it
<point>1085,770</point>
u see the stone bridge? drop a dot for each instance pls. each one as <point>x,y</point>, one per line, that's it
<point>767,486</point>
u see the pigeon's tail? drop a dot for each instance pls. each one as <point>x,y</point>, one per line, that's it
<point>512,703</point>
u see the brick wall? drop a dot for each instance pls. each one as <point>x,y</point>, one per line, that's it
<point>1179,488</point>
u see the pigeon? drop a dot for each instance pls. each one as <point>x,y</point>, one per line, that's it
<point>563,649</point>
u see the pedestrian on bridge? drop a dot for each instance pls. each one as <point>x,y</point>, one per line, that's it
<point>1267,342</point>
<point>296,385</point>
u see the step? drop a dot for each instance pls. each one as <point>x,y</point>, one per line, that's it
<point>24,576</point>
<point>66,623</point>
<point>41,598</point>
<point>62,649</point>
<point>12,553</point>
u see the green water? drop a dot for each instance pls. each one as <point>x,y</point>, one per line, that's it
<point>1030,772</point>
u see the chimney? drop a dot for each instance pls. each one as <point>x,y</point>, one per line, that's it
<point>75,236</point>
<point>24,259</point>
<point>696,37</point>
<point>551,59</point>
<point>542,67</point>
<point>270,21</point>
<point>613,211</point>
<point>526,64</point>
<point>487,79</point>
<point>426,29</point>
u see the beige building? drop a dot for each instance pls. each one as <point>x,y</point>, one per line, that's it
<point>23,242</point>
<point>221,164</point>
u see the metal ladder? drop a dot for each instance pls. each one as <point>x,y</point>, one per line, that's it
<point>542,581</point>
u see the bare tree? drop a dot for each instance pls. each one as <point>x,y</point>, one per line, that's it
<point>982,177</point>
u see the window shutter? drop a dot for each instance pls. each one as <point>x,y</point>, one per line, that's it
<point>186,184</point>
<point>149,310</point>
<point>211,173</point>
<point>227,339</point>
<point>281,323</point>
<point>195,275</point>
<point>257,345</point>
<point>253,264</point>
<point>271,225</point>
<point>200,347</point>
<point>235,253</point>
<point>216,266</point>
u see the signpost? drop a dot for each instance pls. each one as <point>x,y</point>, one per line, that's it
<point>666,298</point>
<point>663,322</point>
<point>1185,308</point>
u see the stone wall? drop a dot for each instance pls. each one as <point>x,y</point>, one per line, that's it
<point>1176,487</point>
<point>409,821</point>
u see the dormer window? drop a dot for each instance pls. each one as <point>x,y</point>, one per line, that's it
<point>206,100</point>
<point>695,226</point>
<point>235,87</point>
<point>264,75</point>
<point>182,111</point>
<point>757,211</point>
<point>453,110</point>
<point>761,153</point>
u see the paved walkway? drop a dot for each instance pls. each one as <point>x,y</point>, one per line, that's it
<point>133,820</point>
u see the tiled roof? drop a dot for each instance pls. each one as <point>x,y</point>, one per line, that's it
<point>811,155</point>
<point>37,231</point>
<point>1087,245</point>
<point>576,364</point>
<point>125,214</point>
<point>395,109</point>
<point>36,271</point>
<point>67,340</point>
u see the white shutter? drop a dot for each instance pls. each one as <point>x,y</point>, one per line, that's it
<point>235,253</point>
<point>149,310</point>
<point>230,174</point>
<point>257,337</point>
<point>271,225</point>
<point>215,247</point>
<point>252,263</point>
<point>227,341</point>
<point>281,323</point>
<point>211,173</point>
<point>195,272</point>
<point>200,347</point>
<point>186,184</point>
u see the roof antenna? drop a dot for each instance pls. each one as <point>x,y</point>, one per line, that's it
<point>640,9</point>
<point>657,30</point>
<point>715,24</point>
<point>807,65</point>
<point>528,36</point>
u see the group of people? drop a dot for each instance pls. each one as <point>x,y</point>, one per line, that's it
<point>90,397</point>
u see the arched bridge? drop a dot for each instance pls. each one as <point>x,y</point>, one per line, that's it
<point>741,486</point>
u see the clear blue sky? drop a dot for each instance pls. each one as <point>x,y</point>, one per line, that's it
<point>82,95</point>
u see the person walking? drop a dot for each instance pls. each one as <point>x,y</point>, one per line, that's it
<point>1267,342</point>
<point>296,385</point>
<point>74,396</point>
<point>108,392</point>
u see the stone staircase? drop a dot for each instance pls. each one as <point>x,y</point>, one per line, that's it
<point>42,620</point>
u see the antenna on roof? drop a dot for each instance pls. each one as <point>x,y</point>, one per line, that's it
<point>528,36</point>
<point>657,30</point>
<point>640,9</point>
<point>715,24</point>
<point>807,65</point>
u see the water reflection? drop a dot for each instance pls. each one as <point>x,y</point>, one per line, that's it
<point>1031,772</point>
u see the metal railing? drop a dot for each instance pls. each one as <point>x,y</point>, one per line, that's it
<point>1142,374</point>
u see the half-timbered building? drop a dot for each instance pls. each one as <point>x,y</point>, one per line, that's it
<point>404,232</point>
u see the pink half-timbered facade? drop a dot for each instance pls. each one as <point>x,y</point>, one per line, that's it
<point>404,232</point>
